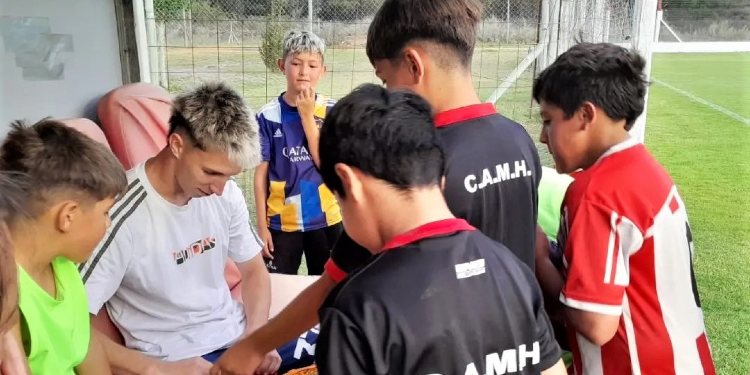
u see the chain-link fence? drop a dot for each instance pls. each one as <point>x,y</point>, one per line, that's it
<point>705,20</point>
<point>199,40</point>
<point>567,21</point>
<point>237,41</point>
<point>195,40</point>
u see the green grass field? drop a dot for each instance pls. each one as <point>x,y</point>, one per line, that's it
<point>706,152</point>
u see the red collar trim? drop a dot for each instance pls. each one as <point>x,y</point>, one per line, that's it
<point>433,229</point>
<point>469,112</point>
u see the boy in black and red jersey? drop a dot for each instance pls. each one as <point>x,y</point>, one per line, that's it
<point>439,297</point>
<point>492,166</point>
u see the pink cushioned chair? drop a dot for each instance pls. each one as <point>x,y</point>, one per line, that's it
<point>135,119</point>
<point>89,128</point>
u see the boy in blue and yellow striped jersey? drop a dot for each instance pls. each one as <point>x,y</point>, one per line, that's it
<point>296,212</point>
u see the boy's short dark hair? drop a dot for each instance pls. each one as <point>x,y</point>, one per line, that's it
<point>12,192</point>
<point>609,76</point>
<point>389,135</point>
<point>60,159</point>
<point>215,118</point>
<point>449,23</point>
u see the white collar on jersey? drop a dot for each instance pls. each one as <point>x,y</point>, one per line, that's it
<point>624,145</point>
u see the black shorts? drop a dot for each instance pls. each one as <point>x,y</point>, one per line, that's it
<point>289,246</point>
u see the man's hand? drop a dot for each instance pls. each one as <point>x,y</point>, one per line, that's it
<point>265,236</point>
<point>306,103</point>
<point>244,359</point>
<point>191,366</point>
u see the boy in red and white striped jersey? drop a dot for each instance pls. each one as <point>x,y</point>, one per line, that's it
<point>628,286</point>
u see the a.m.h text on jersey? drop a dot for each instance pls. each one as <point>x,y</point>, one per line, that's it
<point>502,172</point>
<point>509,361</point>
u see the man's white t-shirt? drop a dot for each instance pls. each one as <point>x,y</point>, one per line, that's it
<point>160,270</point>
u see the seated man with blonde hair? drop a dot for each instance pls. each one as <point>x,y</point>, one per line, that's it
<point>160,268</point>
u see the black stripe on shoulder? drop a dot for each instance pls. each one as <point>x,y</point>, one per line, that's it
<point>110,238</point>
<point>125,201</point>
<point>121,206</point>
<point>132,185</point>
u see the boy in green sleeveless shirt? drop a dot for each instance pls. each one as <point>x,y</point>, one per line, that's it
<point>552,188</point>
<point>73,183</point>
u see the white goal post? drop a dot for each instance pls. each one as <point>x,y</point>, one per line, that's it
<point>630,23</point>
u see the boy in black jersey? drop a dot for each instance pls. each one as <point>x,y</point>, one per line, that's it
<point>439,297</point>
<point>492,166</point>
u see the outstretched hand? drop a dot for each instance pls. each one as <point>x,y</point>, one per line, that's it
<point>244,359</point>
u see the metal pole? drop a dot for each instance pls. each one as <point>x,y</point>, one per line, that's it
<point>144,37</point>
<point>157,41</point>
<point>567,24</point>
<point>543,34</point>
<point>507,23</point>
<point>184,26</point>
<point>554,31</point>
<point>309,15</point>
<point>513,76</point>
<point>597,34</point>
<point>661,19</point>
<point>643,42</point>
<point>605,32</point>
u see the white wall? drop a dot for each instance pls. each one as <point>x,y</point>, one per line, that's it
<point>91,69</point>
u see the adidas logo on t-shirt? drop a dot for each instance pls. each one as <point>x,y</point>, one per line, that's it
<point>277,134</point>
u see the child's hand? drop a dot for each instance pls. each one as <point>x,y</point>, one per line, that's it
<point>306,102</point>
<point>271,363</point>
<point>265,236</point>
<point>241,359</point>
<point>541,247</point>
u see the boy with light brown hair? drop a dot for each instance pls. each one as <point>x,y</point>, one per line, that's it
<point>74,181</point>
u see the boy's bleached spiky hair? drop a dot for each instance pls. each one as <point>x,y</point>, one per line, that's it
<point>217,119</point>
<point>303,41</point>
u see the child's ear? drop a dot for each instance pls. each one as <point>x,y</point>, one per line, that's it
<point>350,181</point>
<point>587,113</point>
<point>280,65</point>
<point>414,64</point>
<point>67,212</point>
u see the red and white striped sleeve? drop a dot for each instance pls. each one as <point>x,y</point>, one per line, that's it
<point>597,245</point>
